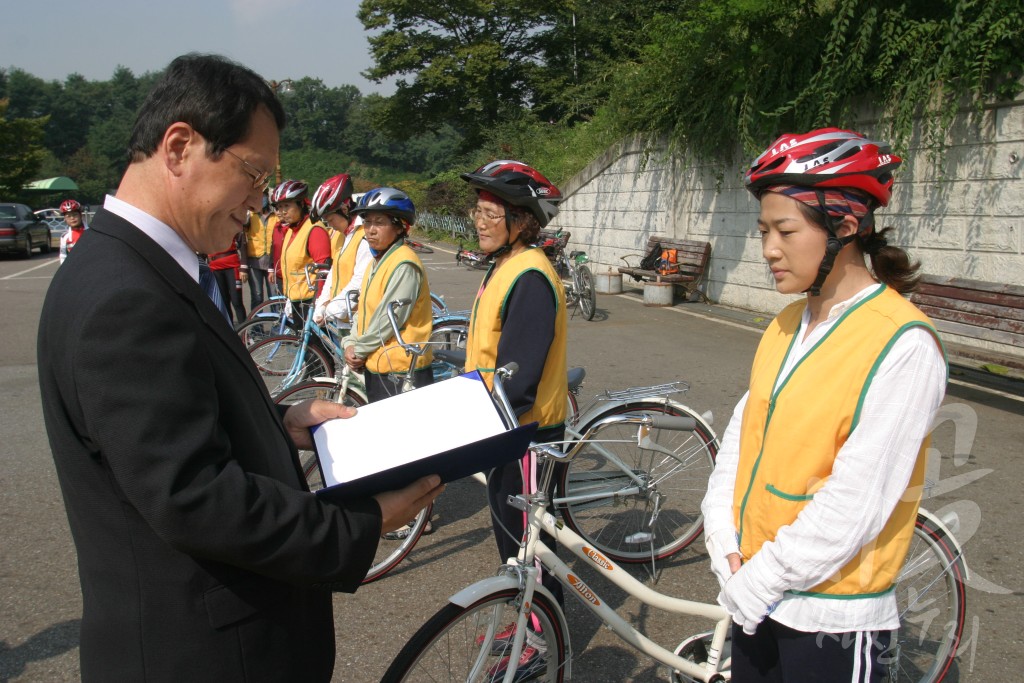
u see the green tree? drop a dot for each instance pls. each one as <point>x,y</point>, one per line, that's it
<point>317,115</point>
<point>464,62</point>
<point>715,73</point>
<point>21,151</point>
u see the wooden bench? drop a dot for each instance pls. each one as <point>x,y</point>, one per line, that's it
<point>691,257</point>
<point>974,309</point>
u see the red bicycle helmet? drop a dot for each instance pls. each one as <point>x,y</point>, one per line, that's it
<point>335,194</point>
<point>70,206</point>
<point>826,158</point>
<point>295,190</point>
<point>519,185</point>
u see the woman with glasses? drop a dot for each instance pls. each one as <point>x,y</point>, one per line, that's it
<point>395,273</point>
<point>302,242</point>
<point>519,316</point>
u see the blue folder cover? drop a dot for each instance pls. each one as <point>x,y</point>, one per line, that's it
<point>456,463</point>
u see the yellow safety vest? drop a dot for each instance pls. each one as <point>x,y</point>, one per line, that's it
<point>485,331</point>
<point>392,358</point>
<point>259,235</point>
<point>294,259</point>
<point>337,238</point>
<point>791,435</point>
<point>345,262</point>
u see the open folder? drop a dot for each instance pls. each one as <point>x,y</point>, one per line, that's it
<point>451,428</point>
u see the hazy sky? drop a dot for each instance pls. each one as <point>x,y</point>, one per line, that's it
<point>277,38</point>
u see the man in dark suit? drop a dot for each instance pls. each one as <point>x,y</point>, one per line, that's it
<point>202,555</point>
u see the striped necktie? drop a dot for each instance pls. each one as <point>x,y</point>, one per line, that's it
<point>209,284</point>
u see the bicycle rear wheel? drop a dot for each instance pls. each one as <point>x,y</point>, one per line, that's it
<point>931,598</point>
<point>278,360</point>
<point>460,644</point>
<point>932,603</point>
<point>649,505</point>
<point>587,294</point>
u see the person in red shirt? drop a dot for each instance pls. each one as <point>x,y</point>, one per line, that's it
<point>72,211</point>
<point>301,243</point>
<point>225,267</point>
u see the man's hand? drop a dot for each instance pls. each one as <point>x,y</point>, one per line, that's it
<point>272,276</point>
<point>301,416</point>
<point>398,507</point>
<point>244,275</point>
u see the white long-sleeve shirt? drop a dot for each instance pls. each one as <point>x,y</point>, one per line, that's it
<point>870,474</point>
<point>337,308</point>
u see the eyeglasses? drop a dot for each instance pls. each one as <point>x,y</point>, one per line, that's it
<point>260,181</point>
<point>476,214</point>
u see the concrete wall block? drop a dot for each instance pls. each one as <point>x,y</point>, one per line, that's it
<point>993,234</point>
<point>1009,124</point>
<point>937,232</point>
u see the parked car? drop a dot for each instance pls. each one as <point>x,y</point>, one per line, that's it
<point>21,231</point>
<point>54,219</point>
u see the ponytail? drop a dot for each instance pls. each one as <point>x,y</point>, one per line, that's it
<point>890,264</point>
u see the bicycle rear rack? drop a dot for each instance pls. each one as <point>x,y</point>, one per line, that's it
<point>634,393</point>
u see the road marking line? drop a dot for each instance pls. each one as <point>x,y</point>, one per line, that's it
<point>41,265</point>
<point>755,330</point>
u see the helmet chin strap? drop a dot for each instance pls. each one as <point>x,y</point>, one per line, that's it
<point>833,245</point>
<point>509,242</point>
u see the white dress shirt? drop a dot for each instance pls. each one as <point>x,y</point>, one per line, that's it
<point>158,231</point>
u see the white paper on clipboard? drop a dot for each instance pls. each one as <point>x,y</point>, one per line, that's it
<point>407,427</point>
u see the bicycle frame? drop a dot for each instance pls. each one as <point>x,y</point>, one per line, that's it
<point>525,574</point>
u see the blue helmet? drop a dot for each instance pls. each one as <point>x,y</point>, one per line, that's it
<point>387,200</point>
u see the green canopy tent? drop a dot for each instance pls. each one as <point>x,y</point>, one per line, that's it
<point>59,184</point>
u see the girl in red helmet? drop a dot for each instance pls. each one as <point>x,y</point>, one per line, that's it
<point>72,211</point>
<point>811,506</point>
<point>301,243</point>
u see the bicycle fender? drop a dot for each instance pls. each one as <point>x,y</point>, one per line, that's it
<point>941,524</point>
<point>470,594</point>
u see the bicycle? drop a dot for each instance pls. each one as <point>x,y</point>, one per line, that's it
<point>484,628</point>
<point>634,502</point>
<point>418,247</point>
<point>270,319</point>
<point>637,501</point>
<point>472,258</point>
<point>391,549</point>
<point>579,291</point>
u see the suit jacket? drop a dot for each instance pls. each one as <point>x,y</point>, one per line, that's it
<point>201,553</point>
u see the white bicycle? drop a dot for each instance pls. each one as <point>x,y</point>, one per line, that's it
<point>485,630</point>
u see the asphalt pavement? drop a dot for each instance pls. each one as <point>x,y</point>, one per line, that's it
<point>975,469</point>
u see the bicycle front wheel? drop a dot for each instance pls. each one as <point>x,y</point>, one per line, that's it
<point>636,502</point>
<point>587,294</point>
<point>465,644</point>
<point>283,363</point>
<point>932,603</point>
<point>258,328</point>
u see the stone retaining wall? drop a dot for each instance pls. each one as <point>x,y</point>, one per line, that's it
<point>964,219</point>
